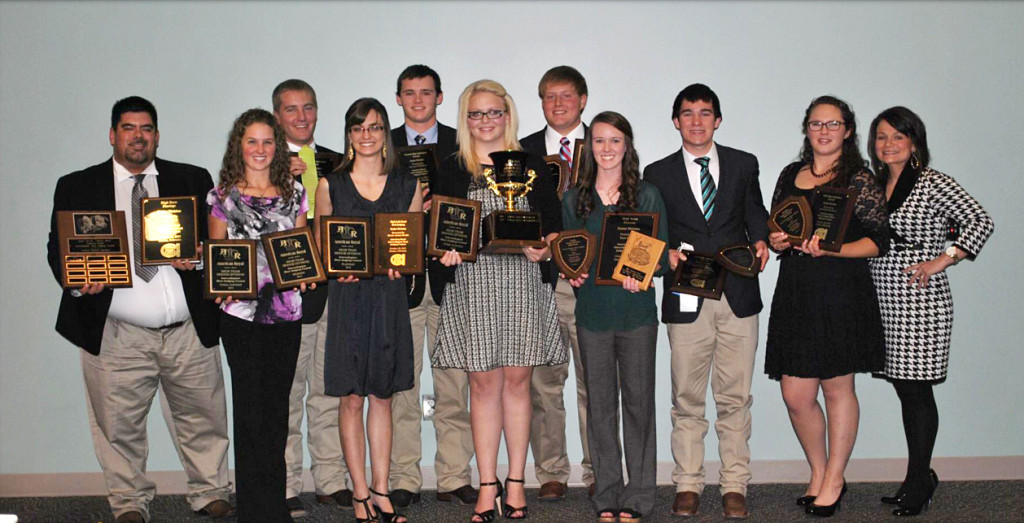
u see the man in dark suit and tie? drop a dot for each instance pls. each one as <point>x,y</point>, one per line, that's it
<point>418,93</point>
<point>295,109</point>
<point>160,332</point>
<point>713,199</point>
<point>563,95</point>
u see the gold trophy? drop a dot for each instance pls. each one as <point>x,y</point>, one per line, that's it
<point>508,231</point>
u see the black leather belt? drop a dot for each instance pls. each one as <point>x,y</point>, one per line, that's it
<point>169,326</point>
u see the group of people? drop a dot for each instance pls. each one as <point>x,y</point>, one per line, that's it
<point>500,353</point>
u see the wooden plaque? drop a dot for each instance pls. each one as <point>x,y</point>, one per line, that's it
<point>832,208</point>
<point>292,257</point>
<point>169,230</point>
<point>346,246</point>
<point>740,259</point>
<point>398,243</point>
<point>454,225</point>
<point>639,259</point>
<point>421,161</point>
<point>94,248</point>
<point>574,252</point>
<point>579,150</point>
<point>558,170</point>
<point>700,275</point>
<point>793,217</point>
<point>230,269</point>
<point>614,234</point>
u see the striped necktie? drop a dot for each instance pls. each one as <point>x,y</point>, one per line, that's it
<point>707,187</point>
<point>146,272</point>
<point>564,152</point>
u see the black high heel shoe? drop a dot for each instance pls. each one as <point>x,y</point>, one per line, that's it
<point>370,516</point>
<point>827,511</point>
<point>488,515</point>
<point>804,501</point>
<point>387,517</point>
<point>900,493</point>
<point>509,511</point>
<point>912,510</point>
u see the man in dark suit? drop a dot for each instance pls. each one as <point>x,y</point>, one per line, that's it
<point>160,332</point>
<point>563,95</point>
<point>713,199</point>
<point>295,109</point>
<point>418,93</point>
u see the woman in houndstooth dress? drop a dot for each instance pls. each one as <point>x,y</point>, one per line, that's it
<point>498,316</point>
<point>913,288</point>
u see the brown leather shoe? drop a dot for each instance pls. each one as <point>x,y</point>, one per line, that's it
<point>734,506</point>
<point>217,509</point>
<point>686,504</point>
<point>552,491</point>
<point>133,516</point>
<point>464,495</point>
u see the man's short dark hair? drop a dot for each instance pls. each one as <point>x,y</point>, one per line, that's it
<point>418,71</point>
<point>560,75</point>
<point>132,104</point>
<point>696,93</point>
<point>293,84</point>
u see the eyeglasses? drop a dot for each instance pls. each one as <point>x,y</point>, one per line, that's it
<point>493,114</point>
<point>373,129</point>
<point>833,125</point>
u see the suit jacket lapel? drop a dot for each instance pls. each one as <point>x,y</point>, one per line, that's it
<point>168,182</point>
<point>726,182</point>
<point>685,192</point>
<point>103,189</point>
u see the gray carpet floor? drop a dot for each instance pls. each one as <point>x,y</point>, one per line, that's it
<point>974,502</point>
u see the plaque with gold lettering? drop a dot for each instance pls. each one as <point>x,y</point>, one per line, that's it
<point>574,252</point>
<point>639,259</point>
<point>230,269</point>
<point>832,208</point>
<point>700,275</point>
<point>454,225</point>
<point>793,217</point>
<point>169,230</point>
<point>614,234</point>
<point>346,245</point>
<point>93,249</point>
<point>293,258</point>
<point>398,242</point>
<point>421,161</point>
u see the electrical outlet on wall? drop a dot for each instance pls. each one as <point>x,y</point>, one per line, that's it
<point>428,406</point>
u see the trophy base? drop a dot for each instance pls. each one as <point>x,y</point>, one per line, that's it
<point>507,232</point>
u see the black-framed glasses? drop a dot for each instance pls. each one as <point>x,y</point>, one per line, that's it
<point>493,114</point>
<point>833,125</point>
<point>373,129</point>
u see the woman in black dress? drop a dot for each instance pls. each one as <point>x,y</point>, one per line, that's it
<point>824,324</point>
<point>913,288</point>
<point>368,353</point>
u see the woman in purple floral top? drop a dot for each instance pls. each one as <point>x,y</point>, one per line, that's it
<point>257,195</point>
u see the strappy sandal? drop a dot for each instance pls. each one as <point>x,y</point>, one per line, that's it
<point>601,518</point>
<point>631,516</point>
<point>388,517</point>
<point>510,511</point>
<point>488,516</point>
<point>370,516</point>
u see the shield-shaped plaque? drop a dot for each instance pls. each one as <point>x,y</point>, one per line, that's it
<point>741,259</point>
<point>793,217</point>
<point>574,252</point>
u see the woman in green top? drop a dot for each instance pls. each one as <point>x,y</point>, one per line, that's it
<point>617,326</point>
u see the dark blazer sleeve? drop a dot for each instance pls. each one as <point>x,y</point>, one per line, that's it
<point>756,214</point>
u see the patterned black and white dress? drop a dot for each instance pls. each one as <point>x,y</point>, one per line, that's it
<point>918,322</point>
<point>498,312</point>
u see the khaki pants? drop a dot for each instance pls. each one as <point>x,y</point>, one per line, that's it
<point>547,427</point>
<point>723,346</point>
<point>120,385</point>
<point>322,436</point>
<point>451,415</point>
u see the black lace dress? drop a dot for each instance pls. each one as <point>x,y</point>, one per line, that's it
<point>825,320</point>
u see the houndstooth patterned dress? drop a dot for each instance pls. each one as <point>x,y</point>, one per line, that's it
<point>498,312</point>
<point>918,322</point>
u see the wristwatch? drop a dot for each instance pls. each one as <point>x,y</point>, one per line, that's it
<point>951,252</point>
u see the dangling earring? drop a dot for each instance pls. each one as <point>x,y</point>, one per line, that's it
<point>914,162</point>
<point>384,153</point>
<point>351,152</point>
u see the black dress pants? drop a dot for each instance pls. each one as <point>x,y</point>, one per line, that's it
<point>262,361</point>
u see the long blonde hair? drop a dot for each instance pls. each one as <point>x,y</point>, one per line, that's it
<point>467,154</point>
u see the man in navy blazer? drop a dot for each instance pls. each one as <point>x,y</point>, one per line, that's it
<point>158,332</point>
<point>713,199</point>
<point>418,93</point>
<point>563,95</point>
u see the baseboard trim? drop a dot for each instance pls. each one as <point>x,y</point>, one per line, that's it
<point>987,468</point>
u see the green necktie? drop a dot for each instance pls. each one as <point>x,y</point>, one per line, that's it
<point>309,179</point>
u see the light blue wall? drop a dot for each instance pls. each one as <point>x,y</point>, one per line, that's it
<point>62,65</point>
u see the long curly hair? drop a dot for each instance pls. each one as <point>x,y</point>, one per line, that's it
<point>630,185</point>
<point>466,152</point>
<point>232,170</point>
<point>850,160</point>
